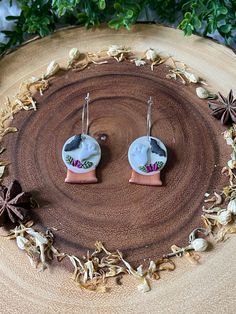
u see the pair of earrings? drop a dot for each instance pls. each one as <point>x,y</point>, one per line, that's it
<point>81,154</point>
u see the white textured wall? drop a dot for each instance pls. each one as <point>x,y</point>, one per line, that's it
<point>6,10</point>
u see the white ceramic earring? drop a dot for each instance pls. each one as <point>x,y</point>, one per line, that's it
<point>81,153</point>
<point>147,156</point>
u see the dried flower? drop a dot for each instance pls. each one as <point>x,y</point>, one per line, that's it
<point>14,202</point>
<point>224,217</point>
<point>199,245</point>
<point>114,50</point>
<point>117,52</point>
<point>144,285</point>
<point>151,54</point>
<point>74,54</point>
<point>225,109</point>
<point>203,93</point>
<point>196,244</point>
<point>52,69</point>
<point>38,246</point>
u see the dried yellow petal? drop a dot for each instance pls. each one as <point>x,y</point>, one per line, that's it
<point>8,130</point>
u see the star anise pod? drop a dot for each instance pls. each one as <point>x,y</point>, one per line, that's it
<point>14,203</point>
<point>225,109</point>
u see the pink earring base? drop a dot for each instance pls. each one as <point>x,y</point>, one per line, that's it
<point>137,178</point>
<point>88,177</point>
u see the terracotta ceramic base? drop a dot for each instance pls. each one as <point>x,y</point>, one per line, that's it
<point>88,177</point>
<point>145,180</point>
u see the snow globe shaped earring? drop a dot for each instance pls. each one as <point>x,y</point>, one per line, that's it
<point>147,156</point>
<point>81,153</point>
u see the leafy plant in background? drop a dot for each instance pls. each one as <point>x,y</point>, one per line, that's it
<point>41,17</point>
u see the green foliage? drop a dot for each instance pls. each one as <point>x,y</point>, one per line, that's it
<point>64,6</point>
<point>194,16</point>
<point>207,17</point>
<point>36,18</point>
<point>126,13</point>
<point>167,10</point>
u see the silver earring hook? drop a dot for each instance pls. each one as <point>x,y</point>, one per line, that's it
<point>85,107</point>
<point>149,117</point>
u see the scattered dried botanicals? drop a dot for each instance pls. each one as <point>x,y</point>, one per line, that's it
<point>178,70</point>
<point>79,61</point>
<point>92,271</point>
<point>154,57</point>
<point>14,203</point>
<point>225,109</point>
<point>221,221</point>
<point>37,245</point>
<point>119,53</point>
<point>196,244</point>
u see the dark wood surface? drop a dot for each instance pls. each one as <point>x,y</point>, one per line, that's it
<point>141,221</point>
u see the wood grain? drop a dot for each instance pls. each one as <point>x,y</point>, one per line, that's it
<point>141,221</point>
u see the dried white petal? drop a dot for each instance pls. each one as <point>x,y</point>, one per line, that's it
<point>152,267</point>
<point>140,270</point>
<point>21,242</point>
<point>139,62</point>
<point>144,286</point>
<point>192,78</point>
<point>37,236</point>
<point>231,164</point>
<point>229,141</point>
<point>2,169</point>
<point>89,267</point>
<point>232,206</point>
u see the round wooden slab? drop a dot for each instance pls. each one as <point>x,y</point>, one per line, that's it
<point>141,221</point>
